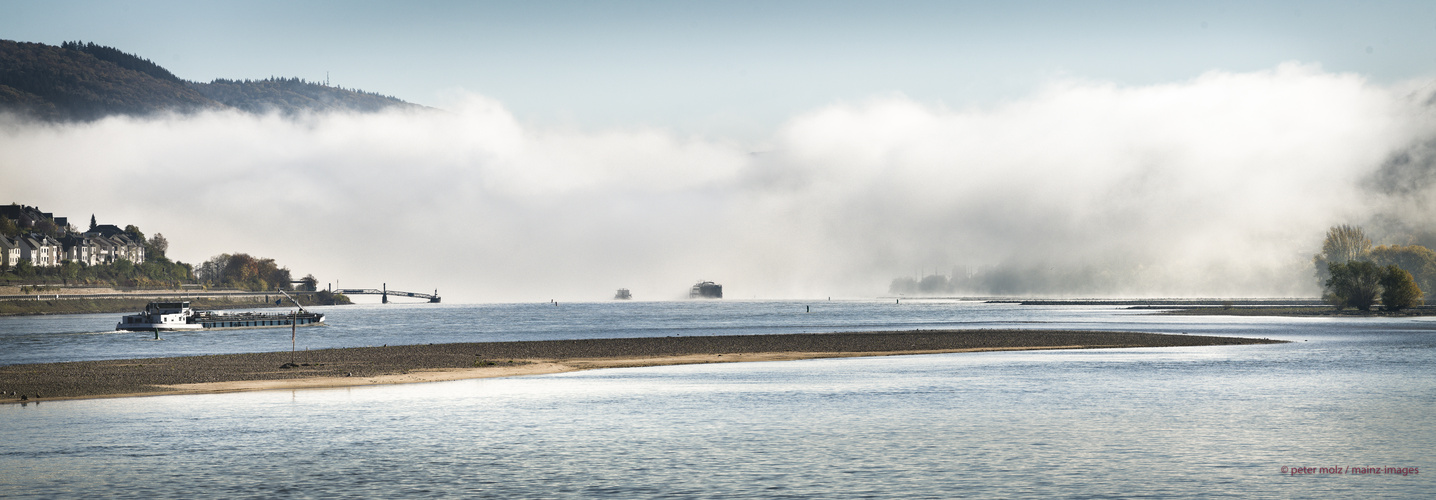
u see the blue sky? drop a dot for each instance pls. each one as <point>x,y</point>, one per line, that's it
<point>735,68</point>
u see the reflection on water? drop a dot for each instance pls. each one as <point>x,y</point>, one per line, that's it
<point>1198,422</point>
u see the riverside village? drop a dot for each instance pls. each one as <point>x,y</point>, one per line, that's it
<point>38,243</point>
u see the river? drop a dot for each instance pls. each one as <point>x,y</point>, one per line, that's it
<point>1200,422</point>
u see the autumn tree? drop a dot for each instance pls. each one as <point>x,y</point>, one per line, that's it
<point>244,271</point>
<point>212,270</point>
<point>69,270</point>
<point>1415,259</point>
<point>134,231</point>
<point>310,283</point>
<point>123,269</point>
<point>1343,244</point>
<point>1399,290</point>
<point>49,228</point>
<point>1354,284</point>
<point>9,227</point>
<point>156,247</point>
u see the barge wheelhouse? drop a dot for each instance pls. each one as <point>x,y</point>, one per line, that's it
<point>160,316</point>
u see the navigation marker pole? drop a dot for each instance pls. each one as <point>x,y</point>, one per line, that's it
<point>293,324</point>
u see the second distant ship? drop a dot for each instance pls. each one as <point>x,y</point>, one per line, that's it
<point>706,290</point>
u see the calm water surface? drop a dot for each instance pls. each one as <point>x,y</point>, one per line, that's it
<point>41,339</point>
<point>1203,422</point>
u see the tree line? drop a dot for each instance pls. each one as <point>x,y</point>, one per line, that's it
<point>1356,274</point>
<point>75,83</point>
<point>121,59</point>
<point>86,81</point>
<point>247,272</point>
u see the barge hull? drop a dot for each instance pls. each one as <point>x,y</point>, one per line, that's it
<point>235,324</point>
<point>301,325</point>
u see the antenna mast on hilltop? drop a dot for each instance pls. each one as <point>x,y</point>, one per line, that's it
<point>326,78</point>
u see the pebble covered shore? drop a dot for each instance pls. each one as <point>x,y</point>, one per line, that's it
<point>80,379</point>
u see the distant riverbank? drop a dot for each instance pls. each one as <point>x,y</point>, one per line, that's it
<point>1228,307</point>
<point>1291,311</point>
<point>437,362</point>
<point>74,304</point>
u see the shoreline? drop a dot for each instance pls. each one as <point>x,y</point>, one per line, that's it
<point>360,366</point>
<point>83,304</point>
<point>1291,311</point>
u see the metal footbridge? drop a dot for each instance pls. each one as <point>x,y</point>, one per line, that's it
<point>386,292</point>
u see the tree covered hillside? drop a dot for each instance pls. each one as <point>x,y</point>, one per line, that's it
<point>72,83</point>
<point>291,95</point>
<point>85,81</point>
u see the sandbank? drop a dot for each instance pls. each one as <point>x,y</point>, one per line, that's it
<point>359,366</point>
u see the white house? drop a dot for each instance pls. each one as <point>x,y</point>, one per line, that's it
<point>80,249</point>
<point>9,252</point>
<point>41,250</point>
<point>127,248</point>
<point>112,244</point>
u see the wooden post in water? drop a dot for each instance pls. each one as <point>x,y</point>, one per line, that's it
<point>293,334</point>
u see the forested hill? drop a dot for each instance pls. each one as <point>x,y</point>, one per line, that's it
<point>290,95</point>
<point>85,81</point>
<point>64,83</point>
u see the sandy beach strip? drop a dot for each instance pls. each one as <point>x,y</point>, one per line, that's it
<point>356,366</point>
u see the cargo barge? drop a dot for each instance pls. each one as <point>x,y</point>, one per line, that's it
<point>173,316</point>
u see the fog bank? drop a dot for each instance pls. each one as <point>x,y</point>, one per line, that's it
<point>1219,186</point>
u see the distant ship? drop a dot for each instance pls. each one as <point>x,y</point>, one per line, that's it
<point>622,294</point>
<point>706,290</point>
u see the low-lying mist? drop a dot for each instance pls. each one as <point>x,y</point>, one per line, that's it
<point>1223,185</point>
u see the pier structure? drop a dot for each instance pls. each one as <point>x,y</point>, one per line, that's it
<point>433,298</point>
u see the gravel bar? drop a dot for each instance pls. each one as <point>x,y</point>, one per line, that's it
<point>81,379</point>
